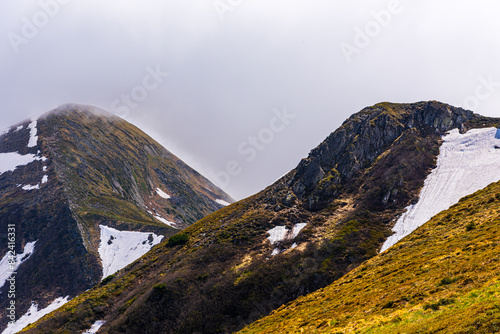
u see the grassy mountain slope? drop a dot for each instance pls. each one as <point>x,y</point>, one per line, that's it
<point>348,192</point>
<point>110,168</point>
<point>441,279</point>
<point>99,169</point>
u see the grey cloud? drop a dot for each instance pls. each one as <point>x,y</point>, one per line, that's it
<point>227,76</point>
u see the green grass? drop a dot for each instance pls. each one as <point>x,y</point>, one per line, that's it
<point>223,276</point>
<point>441,279</point>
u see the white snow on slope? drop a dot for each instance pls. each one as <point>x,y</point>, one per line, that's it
<point>20,127</point>
<point>166,222</point>
<point>281,233</point>
<point>296,229</point>
<point>222,202</point>
<point>7,268</point>
<point>45,179</point>
<point>466,163</point>
<point>277,234</point>
<point>118,249</point>
<point>34,315</point>
<point>162,193</point>
<point>10,161</point>
<point>33,134</point>
<point>95,327</point>
<point>30,187</point>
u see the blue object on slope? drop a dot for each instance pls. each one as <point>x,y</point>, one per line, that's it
<point>497,136</point>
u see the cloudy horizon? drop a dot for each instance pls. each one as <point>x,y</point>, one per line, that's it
<point>242,90</point>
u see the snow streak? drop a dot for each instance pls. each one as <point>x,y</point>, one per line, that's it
<point>466,163</point>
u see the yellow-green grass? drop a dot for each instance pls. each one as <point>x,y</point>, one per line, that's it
<point>444,278</point>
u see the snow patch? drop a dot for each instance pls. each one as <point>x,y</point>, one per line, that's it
<point>29,187</point>
<point>162,193</point>
<point>33,315</point>
<point>281,233</point>
<point>33,134</point>
<point>296,229</point>
<point>11,261</point>
<point>95,327</point>
<point>10,161</point>
<point>19,128</point>
<point>44,168</point>
<point>277,234</point>
<point>222,202</point>
<point>45,179</point>
<point>118,249</point>
<point>164,221</point>
<point>466,163</point>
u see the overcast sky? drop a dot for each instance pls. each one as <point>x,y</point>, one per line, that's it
<point>243,89</point>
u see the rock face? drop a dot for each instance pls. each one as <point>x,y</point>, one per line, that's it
<point>308,229</point>
<point>80,167</point>
<point>367,134</point>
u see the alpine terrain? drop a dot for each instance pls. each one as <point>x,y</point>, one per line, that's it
<point>82,195</point>
<point>386,171</point>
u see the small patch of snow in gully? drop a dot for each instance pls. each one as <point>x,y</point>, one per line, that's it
<point>164,221</point>
<point>95,327</point>
<point>222,202</point>
<point>33,134</point>
<point>281,233</point>
<point>11,261</point>
<point>162,194</point>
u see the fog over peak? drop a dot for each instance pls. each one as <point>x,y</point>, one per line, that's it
<point>209,79</point>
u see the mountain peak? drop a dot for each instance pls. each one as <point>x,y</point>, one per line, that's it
<point>311,227</point>
<point>368,133</point>
<point>82,185</point>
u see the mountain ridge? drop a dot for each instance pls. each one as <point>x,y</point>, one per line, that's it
<point>87,168</point>
<point>242,262</point>
<point>441,279</point>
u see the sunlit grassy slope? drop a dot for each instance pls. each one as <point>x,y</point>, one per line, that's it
<point>224,276</point>
<point>444,278</point>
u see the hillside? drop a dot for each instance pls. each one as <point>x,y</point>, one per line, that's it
<point>441,279</point>
<point>83,194</point>
<point>319,222</point>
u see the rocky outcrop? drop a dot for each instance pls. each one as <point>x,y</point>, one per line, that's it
<point>230,273</point>
<point>365,136</point>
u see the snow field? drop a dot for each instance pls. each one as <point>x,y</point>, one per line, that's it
<point>34,314</point>
<point>118,249</point>
<point>10,161</point>
<point>466,163</point>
